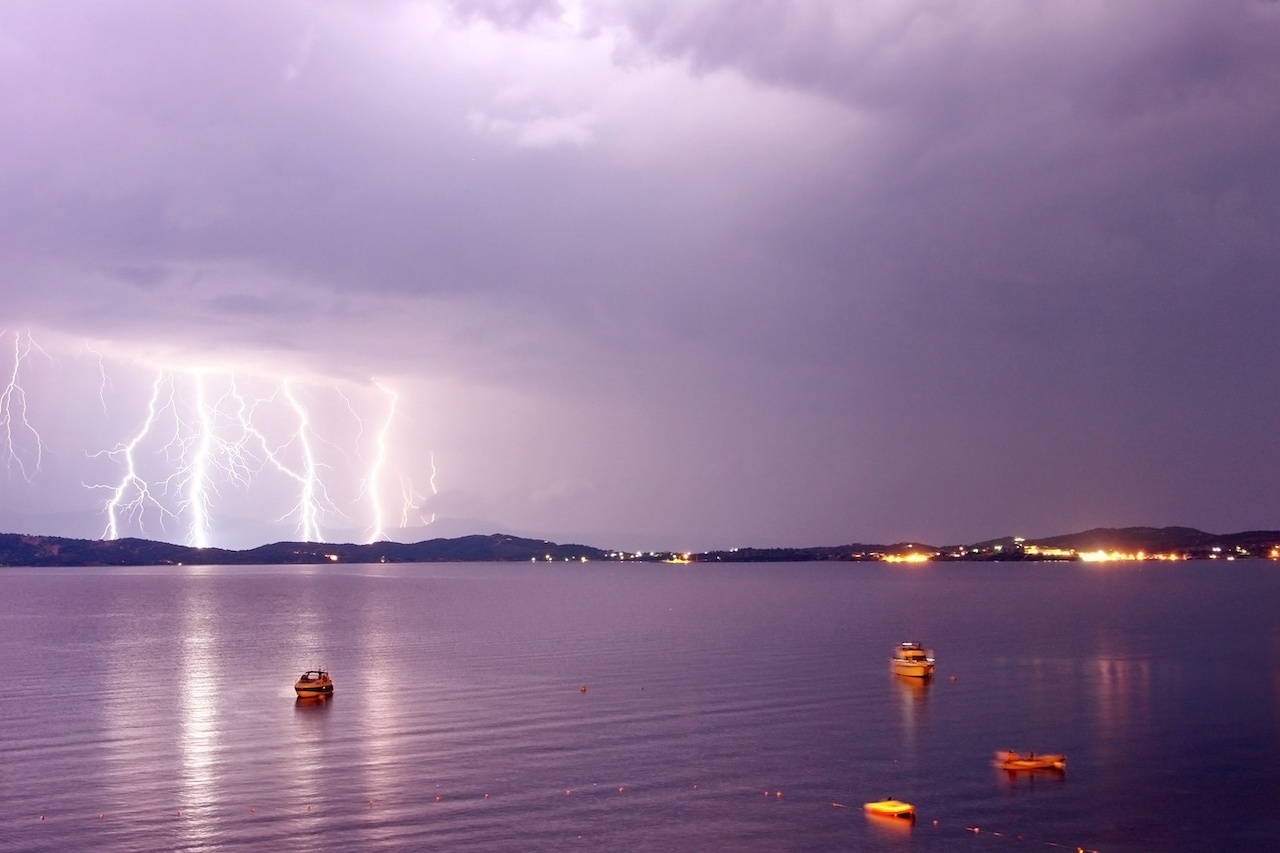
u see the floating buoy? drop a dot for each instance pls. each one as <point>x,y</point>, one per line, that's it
<point>582,689</point>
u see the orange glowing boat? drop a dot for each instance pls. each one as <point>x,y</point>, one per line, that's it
<point>889,807</point>
<point>314,682</point>
<point>913,660</point>
<point>1014,761</point>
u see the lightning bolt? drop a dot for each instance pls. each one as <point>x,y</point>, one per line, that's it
<point>198,484</point>
<point>409,501</point>
<point>132,496</point>
<point>308,506</point>
<point>380,460</point>
<point>212,452</point>
<point>208,430</point>
<point>102,374</point>
<point>13,415</point>
<point>432,483</point>
<point>313,498</point>
<point>241,464</point>
<point>192,452</point>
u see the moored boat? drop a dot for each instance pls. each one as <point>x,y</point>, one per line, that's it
<point>889,807</point>
<point>911,659</point>
<point>314,682</point>
<point>1014,761</point>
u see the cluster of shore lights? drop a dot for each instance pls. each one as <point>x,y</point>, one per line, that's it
<point>1119,556</point>
<point>913,557</point>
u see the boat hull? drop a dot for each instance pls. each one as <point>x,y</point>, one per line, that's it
<point>913,669</point>
<point>890,808</point>
<point>313,691</point>
<point>1014,762</point>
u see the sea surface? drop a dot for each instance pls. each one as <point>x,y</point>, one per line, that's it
<point>605,707</point>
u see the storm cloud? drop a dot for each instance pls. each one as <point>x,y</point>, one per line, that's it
<point>645,274</point>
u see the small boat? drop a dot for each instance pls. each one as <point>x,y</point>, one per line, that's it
<point>314,682</point>
<point>889,807</point>
<point>1014,761</point>
<point>913,660</point>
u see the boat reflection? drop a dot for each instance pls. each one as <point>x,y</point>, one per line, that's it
<point>911,684</point>
<point>913,703</point>
<point>888,829</point>
<point>913,693</point>
<point>312,703</point>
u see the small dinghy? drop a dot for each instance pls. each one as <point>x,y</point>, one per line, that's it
<point>889,807</point>
<point>1014,761</point>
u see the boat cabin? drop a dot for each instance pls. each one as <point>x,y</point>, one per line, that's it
<point>911,651</point>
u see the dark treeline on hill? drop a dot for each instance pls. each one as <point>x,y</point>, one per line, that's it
<point>20,550</point>
<point>1129,542</point>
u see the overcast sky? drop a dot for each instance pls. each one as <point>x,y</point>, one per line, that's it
<point>639,274</point>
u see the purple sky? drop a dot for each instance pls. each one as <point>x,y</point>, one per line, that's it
<point>639,274</point>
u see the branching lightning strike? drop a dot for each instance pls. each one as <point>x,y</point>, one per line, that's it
<point>133,496</point>
<point>371,483</point>
<point>23,446</point>
<point>199,436</point>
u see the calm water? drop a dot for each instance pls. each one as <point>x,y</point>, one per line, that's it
<point>727,708</point>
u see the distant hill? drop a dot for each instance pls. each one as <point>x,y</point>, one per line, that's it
<point>1164,540</point>
<point>1179,542</point>
<point>21,550</point>
<point>1153,539</point>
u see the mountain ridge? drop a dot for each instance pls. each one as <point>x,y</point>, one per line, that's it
<point>18,549</point>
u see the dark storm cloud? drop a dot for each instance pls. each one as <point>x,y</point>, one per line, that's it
<point>283,140</point>
<point>1059,251</point>
<point>840,270</point>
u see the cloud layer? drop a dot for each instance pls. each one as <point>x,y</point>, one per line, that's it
<point>679,275</point>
